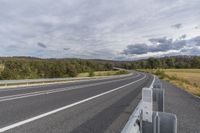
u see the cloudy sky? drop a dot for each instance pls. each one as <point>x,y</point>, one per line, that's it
<point>104,29</point>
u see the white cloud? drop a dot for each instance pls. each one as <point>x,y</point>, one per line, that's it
<point>92,28</point>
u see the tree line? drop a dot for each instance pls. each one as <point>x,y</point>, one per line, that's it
<point>32,68</point>
<point>164,63</point>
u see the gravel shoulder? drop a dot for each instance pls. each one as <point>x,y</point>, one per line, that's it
<point>185,106</point>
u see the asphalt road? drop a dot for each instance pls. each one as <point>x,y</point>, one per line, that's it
<point>94,106</point>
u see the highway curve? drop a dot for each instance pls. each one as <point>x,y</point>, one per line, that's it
<point>94,106</point>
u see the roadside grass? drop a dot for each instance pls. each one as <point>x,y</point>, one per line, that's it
<point>81,75</point>
<point>102,73</point>
<point>191,75</point>
<point>188,79</point>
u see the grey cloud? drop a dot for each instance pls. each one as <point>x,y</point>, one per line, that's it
<point>183,36</point>
<point>197,27</point>
<point>140,48</point>
<point>191,51</point>
<point>177,26</point>
<point>160,44</point>
<point>160,40</point>
<point>66,49</point>
<point>195,41</point>
<point>41,45</point>
<point>157,45</point>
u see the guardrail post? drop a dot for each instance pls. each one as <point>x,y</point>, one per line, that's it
<point>158,96</point>
<point>157,83</point>
<point>156,124</point>
<point>152,119</point>
<point>164,122</point>
<point>147,106</point>
<point>158,99</point>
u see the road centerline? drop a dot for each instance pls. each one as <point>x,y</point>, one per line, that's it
<point>45,92</point>
<point>65,107</point>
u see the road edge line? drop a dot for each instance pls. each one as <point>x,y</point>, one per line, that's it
<point>65,107</point>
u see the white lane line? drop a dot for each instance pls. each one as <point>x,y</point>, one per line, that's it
<point>72,81</point>
<point>129,128</point>
<point>37,93</point>
<point>65,107</point>
<point>151,86</point>
<point>31,87</point>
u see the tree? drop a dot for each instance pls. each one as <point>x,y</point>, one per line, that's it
<point>195,62</point>
<point>71,70</point>
<point>170,62</point>
<point>153,63</point>
<point>91,74</point>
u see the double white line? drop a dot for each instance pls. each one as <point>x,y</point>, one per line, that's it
<point>37,93</point>
<point>65,107</point>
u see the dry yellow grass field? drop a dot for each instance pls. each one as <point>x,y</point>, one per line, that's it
<point>191,75</point>
<point>187,79</point>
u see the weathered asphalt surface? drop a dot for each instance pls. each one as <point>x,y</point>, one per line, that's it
<point>107,113</point>
<point>185,106</point>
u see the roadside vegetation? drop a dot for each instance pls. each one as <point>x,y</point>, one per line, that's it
<point>178,62</point>
<point>188,79</point>
<point>35,68</point>
<point>1,68</point>
<point>102,73</point>
<point>31,68</point>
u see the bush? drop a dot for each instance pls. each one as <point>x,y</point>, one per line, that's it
<point>121,72</point>
<point>195,84</point>
<point>160,73</point>
<point>173,77</point>
<point>91,74</point>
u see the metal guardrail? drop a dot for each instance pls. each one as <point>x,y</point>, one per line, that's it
<point>5,83</point>
<point>134,123</point>
<point>149,115</point>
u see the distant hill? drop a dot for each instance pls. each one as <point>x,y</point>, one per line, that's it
<point>164,62</point>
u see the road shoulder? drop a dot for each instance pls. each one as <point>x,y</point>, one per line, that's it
<point>185,106</point>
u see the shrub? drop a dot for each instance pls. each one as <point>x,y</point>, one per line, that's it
<point>91,74</point>
<point>121,72</point>
<point>195,84</point>
<point>160,73</point>
<point>173,77</point>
